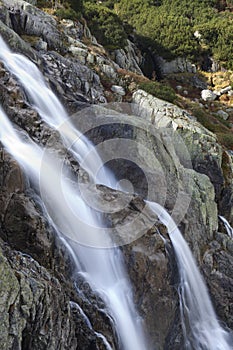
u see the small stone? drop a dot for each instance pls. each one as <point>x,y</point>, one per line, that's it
<point>225,90</point>
<point>118,90</point>
<point>208,95</point>
<point>217,93</point>
<point>90,58</point>
<point>109,71</point>
<point>222,114</point>
<point>41,45</point>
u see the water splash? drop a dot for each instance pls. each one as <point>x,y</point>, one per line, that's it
<point>201,327</point>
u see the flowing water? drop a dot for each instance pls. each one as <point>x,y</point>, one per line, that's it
<point>53,113</point>
<point>89,325</point>
<point>102,268</point>
<point>228,227</point>
<point>201,327</point>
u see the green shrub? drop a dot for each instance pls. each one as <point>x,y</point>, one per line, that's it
<point>226,139</point>
<point>209,122</point>
<point>105,25</point>
<point>171,25</point>
<point>158,90</point>
<point>66,13</point>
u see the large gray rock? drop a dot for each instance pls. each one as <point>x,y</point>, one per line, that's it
<point>178,65</point>
<point>159,155</point>
<point>204,151</point>
<point>129,58</point>
<point>29,20</point>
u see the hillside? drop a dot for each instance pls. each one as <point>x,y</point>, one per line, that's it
<point>172,37</point>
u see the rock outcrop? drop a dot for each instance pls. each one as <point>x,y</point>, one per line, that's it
<point>177,65</point>
<point>129,58</point>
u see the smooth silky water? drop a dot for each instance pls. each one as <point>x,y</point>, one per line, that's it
<point>201,328</point>
<point>45,102</point>
<point>102,268</point>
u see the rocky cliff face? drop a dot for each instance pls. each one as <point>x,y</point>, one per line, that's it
<point>43,305</point>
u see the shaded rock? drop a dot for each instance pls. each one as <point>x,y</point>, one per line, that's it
<point>178,65</point>
<point>35,309</point>
<point>217,263</point>
<point>226,201</point>
<point>224,115</point>
<point>129,58</point>
<point>15,42</point>
<point>22,226</point>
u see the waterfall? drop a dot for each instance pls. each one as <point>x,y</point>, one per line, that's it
<point>45,102</point>
<point>201,328</point>
<point>102,268</point>
<point>228,227</point>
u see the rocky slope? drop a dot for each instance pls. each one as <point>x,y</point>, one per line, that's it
<point>40,297</point>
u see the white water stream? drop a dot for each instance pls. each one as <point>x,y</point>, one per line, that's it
<point>104,269</point>
<point>201,328</point>
<point>228,227</point>
<point>53,113</point>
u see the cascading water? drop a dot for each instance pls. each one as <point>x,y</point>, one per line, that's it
<point>53,113</point>
<point>228,227</point>
<point>103,268</point>
<point>201,328</point>
<point>88,323</point>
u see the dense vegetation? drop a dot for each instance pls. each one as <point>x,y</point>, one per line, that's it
<point>183,27</point>
<point>170,28</point>
<point>105,24</point>
<point>167,26</point>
